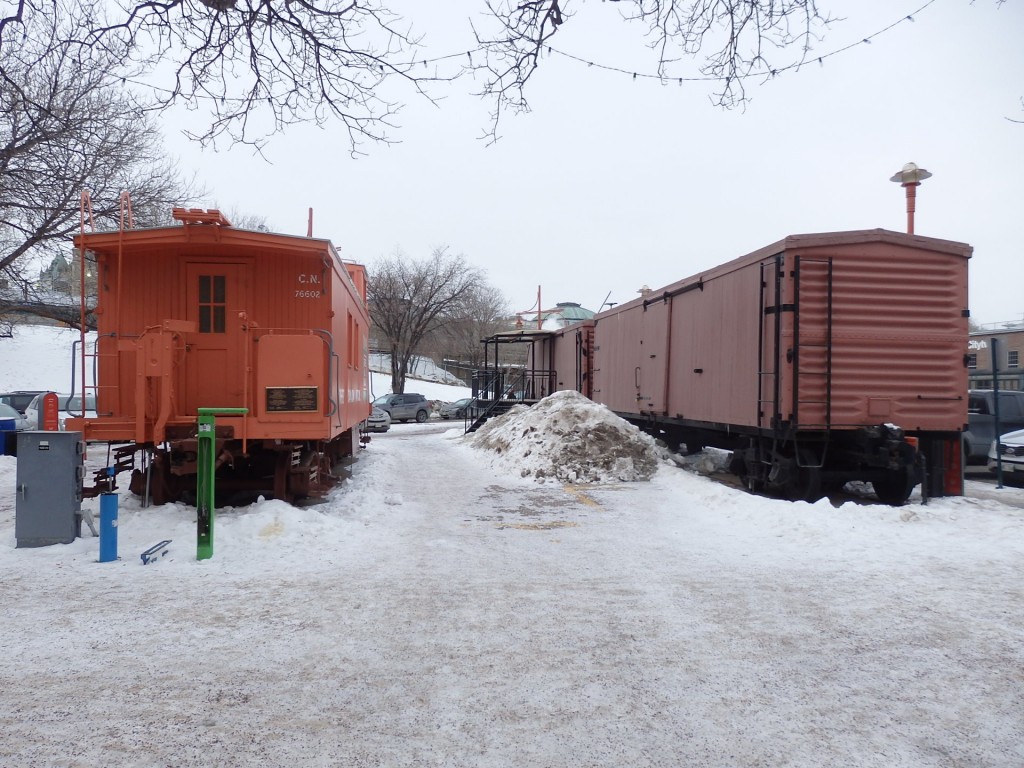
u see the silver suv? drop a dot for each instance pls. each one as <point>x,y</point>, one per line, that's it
<point>404,407</point>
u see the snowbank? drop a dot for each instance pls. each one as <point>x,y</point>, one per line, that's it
<point>568,438</point>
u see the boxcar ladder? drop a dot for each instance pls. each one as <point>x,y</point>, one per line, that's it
<point>812,353</point>
<point>768,381</point>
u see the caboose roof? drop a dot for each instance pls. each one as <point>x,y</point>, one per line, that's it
<point>188,238</point>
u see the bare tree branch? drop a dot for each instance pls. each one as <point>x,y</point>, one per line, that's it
<point>262,65</point>
<point>735,37</point>
<point>259,66</point>
<point>65,127</point>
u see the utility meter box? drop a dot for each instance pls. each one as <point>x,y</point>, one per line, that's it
<point>48,508</point>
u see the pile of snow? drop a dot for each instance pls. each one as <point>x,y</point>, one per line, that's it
<point>569,438</point>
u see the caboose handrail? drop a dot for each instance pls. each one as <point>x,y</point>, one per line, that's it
<point>331,356</point>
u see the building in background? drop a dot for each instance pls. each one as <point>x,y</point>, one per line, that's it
<point>1009,338</point>
<point>564,314</point>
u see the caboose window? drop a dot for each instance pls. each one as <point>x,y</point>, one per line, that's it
<point>212,298</point>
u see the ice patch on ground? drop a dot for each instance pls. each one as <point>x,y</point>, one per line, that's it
<point>569,438</point>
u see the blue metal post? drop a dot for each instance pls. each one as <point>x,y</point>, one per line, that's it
<point>108,527</point>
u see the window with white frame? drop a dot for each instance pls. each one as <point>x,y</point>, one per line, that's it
<point>1013,359</point>
<point>972,360</point>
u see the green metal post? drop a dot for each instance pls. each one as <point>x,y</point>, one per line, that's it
<point>207,461</point>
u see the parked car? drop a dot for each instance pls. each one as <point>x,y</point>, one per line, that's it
<point>1011,451</point>
<point>378,421</point>
<point>10,413</point>
<point>19,398</point>
<point>404,407</point>
<point>11,422</point>
<point>456,410</point>
<point>981,429</point>
<point>68,405</point>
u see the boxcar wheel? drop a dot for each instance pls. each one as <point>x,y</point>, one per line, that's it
<point>896,487</point>
<point>805,482</point>
<point>898,484</point>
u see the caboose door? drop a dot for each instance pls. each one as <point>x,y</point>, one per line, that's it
<point>214,364</point>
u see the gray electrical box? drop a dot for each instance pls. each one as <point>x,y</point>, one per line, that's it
<point>49,488</point>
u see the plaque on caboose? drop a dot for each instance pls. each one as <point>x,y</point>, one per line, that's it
<point>292,399</point>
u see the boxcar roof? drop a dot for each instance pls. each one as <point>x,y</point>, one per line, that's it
<point>854,237</point>
<point>808,241</point>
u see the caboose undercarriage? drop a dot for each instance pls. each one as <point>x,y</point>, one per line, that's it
<point>286,470</point>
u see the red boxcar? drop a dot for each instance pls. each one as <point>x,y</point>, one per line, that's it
<point>207,315</point>
<point>813,359</point>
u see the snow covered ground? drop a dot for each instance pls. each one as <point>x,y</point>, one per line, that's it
<point>447,606</point>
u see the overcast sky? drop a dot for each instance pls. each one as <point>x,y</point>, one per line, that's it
<point>611,183</point>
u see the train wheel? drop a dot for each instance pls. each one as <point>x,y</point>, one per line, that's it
<point>746,465</point>
<point>898,483</point>
<point>312,477</point>
<point>805,482</point>
<point>162,486</point>
<point>805,485</point>
<point>896,487</point>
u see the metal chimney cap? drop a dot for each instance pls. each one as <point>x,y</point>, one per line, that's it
<point>911,174</point>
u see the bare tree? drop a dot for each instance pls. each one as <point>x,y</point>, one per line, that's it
<point>484,312</point>
<point>411,299</point>
<point>260,65</point>
<point>65,128</point>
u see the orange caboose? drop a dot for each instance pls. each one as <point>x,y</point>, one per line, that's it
<point>202,314</point>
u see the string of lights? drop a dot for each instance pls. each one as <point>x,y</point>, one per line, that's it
<point>762,73</point>
<point>634,75</point>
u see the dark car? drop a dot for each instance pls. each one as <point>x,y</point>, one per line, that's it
<point>981,429</point>
<point>20,398</point>
<point>404,407</point>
